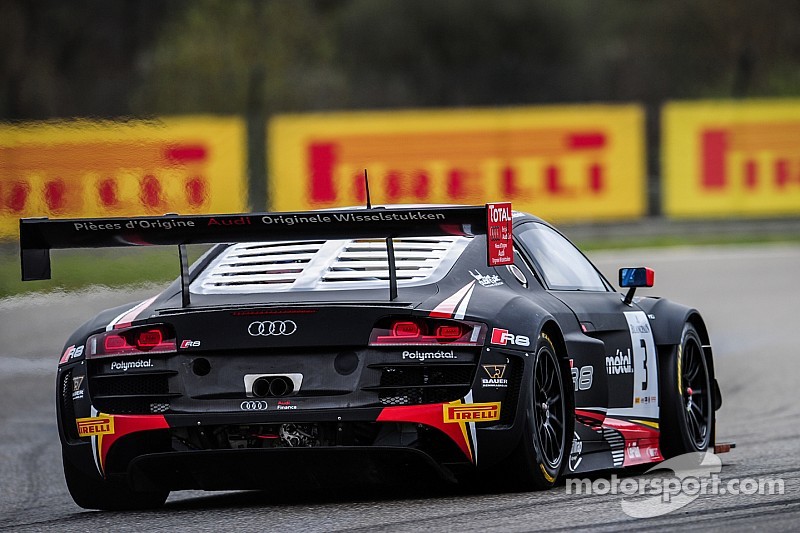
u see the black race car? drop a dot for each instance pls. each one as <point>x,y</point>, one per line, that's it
<point>376,344</point>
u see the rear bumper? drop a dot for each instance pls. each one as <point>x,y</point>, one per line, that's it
<point>451,433</point>
<point>280,468</point>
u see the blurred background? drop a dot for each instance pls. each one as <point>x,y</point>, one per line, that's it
<point>587,113</point>
<point>107,59</point>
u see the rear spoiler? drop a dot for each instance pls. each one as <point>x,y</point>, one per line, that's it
<point>37,236</point>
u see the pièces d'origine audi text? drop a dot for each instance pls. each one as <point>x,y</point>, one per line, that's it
<point>369,343</point>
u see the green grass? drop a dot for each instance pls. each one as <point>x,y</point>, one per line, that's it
<point>685,240</point>
<point>76,269</point>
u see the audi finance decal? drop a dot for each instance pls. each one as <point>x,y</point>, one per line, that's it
<point>254,405</point>
<point>270,327</point>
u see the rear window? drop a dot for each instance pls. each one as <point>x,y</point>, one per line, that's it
<point>327,265</point>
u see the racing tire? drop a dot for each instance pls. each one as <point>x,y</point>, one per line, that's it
<point>549,420</point>
<point>687,409</point>
<point>91,492</point>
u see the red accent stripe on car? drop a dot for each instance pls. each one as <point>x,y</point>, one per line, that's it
<point>449,305</point>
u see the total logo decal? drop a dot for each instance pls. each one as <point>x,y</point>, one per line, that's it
<point>77,391</point>
<point>495,379</point>
<point>125,365</point>
<point>620,363</point>
<point>422,356</point>
<point>502,337</point>
<point>96,425</point>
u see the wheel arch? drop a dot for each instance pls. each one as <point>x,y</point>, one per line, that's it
<point>667,319</point>
<point>670,318</point>
<point>551,329</point>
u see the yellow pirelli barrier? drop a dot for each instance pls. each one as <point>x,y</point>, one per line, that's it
<point>731,158</point>
<point>103,169</point>
<point>573,163</point>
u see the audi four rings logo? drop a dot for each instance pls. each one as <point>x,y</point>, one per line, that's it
<point>278,327</point>
<point>254,405</point>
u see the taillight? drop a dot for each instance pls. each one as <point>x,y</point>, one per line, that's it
<point>150,339</point>
<point>416,331</point>
<point>405,329</point>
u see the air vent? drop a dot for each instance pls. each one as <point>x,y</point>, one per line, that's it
<point>422,384</point>
<point>255,265</point>
<point>134,393</point>
<point>321,265</point>
<point>367,260</point>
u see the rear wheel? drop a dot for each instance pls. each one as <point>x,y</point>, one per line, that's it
<point>539,458</point>
<point>91,492</point>
<point>687,412</point>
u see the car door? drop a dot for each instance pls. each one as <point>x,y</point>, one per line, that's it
<point>628,365</point>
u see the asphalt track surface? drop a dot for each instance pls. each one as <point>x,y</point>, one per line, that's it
<point>749,296</point>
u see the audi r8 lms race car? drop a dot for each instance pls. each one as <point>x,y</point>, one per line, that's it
<point>370,344</point>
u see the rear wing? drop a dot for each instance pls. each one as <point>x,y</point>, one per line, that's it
<point>40,235</point>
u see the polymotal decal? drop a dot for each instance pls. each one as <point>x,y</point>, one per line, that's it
<point>619,363</point>
<point>123,366</point>
<point>499,245</point>
<point>424,356</point>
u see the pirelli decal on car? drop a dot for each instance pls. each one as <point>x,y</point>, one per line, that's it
<point>96,425</point>
<point>471,412</point>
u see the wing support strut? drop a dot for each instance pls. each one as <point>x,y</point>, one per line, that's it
<point>392,269</point>
<point>184,275</point>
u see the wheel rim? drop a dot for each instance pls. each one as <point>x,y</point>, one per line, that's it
<point>548,409</point>
<point>695,394</point>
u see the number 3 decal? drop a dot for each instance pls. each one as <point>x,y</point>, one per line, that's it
<point>644,346</point>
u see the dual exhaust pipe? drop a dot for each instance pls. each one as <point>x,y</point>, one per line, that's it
<point>272,386</point>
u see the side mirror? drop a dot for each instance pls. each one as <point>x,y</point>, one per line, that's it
<point>636,277</point>
<point>632,278</point>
